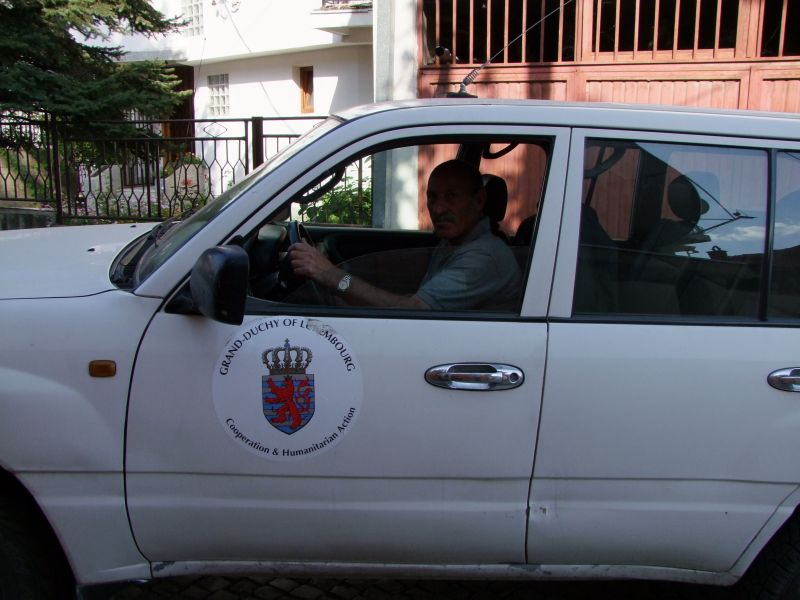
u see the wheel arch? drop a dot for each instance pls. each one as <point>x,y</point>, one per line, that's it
<point>765,566</point>
<point>17,500</point>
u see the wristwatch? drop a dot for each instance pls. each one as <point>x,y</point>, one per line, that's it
<point>344,283</point>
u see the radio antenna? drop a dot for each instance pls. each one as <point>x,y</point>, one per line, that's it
<point>462,90</point>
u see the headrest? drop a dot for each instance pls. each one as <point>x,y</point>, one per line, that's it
<point>524,235</point>
<point>689,194</point>
<point>707,185</point>
<point>496,197</point>
<point>683,199</point>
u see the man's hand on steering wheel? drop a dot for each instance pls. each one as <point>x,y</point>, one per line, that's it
<point>309,262</point>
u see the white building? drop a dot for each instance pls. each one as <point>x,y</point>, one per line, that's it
<point>282,58</point>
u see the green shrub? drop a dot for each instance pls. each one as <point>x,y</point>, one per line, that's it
<point>348,203</point>
<point>183,161</point>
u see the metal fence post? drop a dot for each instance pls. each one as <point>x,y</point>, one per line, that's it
<point>56,173</point>
<point>258,141</point>
<point>147,186</point>
<point>47,138</point>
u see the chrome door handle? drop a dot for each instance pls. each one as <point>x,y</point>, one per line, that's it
<point>787,380</point>
<point>475,376</point>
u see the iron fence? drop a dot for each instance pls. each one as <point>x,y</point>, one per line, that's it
<point>169,168</point>
<point>27,197</point>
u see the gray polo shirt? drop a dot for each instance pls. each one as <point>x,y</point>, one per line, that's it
<point>479,274</point>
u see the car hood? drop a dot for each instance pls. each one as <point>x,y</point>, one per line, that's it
<point>60,262</point>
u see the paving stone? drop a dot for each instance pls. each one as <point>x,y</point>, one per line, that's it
<point>171,585</point>
<point>282,588</point>
<point>307,592</point>
<point>214,583</point>
<point>347,592</point>
<point>224,595</point>
<point>375,593</point>
<point>326,585</point>
<point>129,593</point>
<point>243,587</point>
<point>267,592</point>
<point>286,585</point>
<point>484,590</point>
<point>418,593</point>
<point>392,586</point>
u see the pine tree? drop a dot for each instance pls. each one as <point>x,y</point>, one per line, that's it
<point>51,61</point>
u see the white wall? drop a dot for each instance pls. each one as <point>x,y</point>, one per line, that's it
<point>395,43</point>
<point>241,28</point>
<point>260,45</point>
<point>269,86</point>
<point>395,175</point>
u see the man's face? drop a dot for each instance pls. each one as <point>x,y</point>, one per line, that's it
<point>455,208</point>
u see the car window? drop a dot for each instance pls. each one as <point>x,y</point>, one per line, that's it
<point>786,254</point>
<point>369,216</point>
<point>174,237</point>
<point>671,229</point>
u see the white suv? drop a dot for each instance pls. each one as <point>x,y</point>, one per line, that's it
<point>176,400</point>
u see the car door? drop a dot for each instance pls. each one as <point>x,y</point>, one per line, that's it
<point>662,443</point>
<point>376,464</point>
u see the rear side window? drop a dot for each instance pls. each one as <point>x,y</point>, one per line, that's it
<point>784,301</point>
<point>672,229</point>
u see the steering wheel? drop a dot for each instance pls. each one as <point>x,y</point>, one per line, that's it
<point>296,232</point>
<point>287,278</point>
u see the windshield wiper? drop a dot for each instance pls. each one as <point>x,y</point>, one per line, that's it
<point>735,216</point>
<point>159,230</point>
<point>125,270</point>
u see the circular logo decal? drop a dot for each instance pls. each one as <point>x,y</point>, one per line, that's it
<point>287,388</point>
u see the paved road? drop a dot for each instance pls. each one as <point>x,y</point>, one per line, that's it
<point>221,588</point>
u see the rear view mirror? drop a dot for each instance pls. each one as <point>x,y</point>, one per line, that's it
<point>219,283</point>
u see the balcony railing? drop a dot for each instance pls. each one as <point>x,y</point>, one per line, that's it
<point>346,4</point>
<point>470,32</point>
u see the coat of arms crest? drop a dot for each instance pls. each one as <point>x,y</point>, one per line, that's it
<point>288,391</point>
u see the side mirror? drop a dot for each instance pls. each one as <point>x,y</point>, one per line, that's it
<point>219,283</point>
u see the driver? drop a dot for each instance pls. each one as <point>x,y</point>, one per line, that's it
<point>470,269</point>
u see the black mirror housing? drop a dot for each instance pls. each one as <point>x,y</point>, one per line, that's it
<point>219,283</point>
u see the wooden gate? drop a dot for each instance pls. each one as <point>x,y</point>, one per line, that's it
<point>708,53</point>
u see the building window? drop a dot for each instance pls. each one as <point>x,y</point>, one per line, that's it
<point>307,89</point>
<point>471,32</point>
<point>192,13</point>
<point>668,26</point>
<point>218,95</point>
<point>781,17</point>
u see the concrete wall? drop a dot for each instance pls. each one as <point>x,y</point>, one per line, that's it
<point>269,86</point>
<point>240,28</point>
<point>261,44</point>
<point>395,44</point>
<point>395,179</point>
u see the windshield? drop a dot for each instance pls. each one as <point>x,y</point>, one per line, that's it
<point>176,234</point>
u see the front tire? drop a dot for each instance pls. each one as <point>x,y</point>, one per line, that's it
<point>31,565</point>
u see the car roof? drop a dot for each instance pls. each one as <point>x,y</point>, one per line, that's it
<point>739,123</point>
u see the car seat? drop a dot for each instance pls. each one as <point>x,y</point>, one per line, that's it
<point>496,202</point>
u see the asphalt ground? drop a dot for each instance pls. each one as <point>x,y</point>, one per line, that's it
<point>223,588</point>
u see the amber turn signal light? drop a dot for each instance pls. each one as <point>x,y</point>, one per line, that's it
<point>102,368</point>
